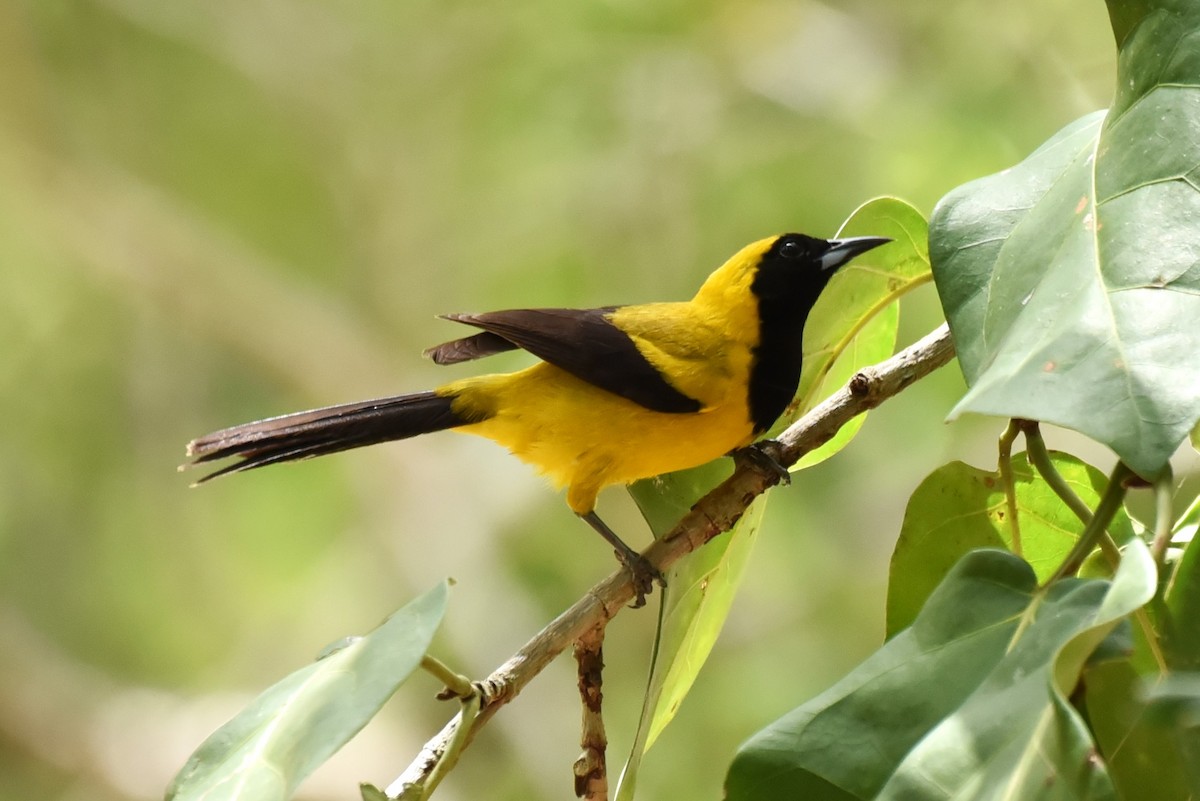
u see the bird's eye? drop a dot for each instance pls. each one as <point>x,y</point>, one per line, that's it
<point>791,249</point>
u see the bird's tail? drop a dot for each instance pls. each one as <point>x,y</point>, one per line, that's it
<point>335,428</point>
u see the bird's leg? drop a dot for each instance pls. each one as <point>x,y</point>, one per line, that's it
<point>644,574</point>
<point>762,455</point>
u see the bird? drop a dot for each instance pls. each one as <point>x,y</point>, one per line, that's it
<point>618,394</point>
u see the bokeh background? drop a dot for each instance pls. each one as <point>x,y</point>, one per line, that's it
<point>222,210</point>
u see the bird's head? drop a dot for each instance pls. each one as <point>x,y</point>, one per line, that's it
<point>788,270</point>
<point>794,268</point>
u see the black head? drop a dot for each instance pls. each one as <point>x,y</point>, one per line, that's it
<point>790,277</point>
<point>801,264</point>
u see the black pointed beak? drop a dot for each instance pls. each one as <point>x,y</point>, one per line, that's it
<point>843,250</point>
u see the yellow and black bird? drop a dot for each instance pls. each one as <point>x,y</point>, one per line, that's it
<point>621,392</point>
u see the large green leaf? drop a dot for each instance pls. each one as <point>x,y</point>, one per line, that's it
<point>959,507</point>
<point>970,702</point>
<point>1017,736</point>
<point>264,752</point>
<point>846,742</point>
<point>1072,281</point>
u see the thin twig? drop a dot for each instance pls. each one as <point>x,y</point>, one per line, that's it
<point>591,769</point>
<point>713,514</point>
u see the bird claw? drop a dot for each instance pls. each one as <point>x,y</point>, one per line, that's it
<point>644,576</point>
<point>760,455</point>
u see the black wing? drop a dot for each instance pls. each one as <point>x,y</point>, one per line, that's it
<point>469,348</point>
<point>583,342</point>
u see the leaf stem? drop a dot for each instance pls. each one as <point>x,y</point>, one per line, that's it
<point>454,748</point>
<point>458,685</point>
<point>1039,457</point>
<point>1005,469</point>
<point>1163,518</point>
<point>1110,502</point>
<point>1163,532</point>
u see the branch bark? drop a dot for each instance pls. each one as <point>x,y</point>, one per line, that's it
<point>714,514</point>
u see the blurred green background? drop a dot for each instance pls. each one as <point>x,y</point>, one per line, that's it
<point>217,211</point>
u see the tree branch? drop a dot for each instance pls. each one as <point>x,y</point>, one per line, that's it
<point>591,769</point>
<point>713,514</point>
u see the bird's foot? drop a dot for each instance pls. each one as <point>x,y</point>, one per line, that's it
<point>643,573</point>
<point>764,455</point>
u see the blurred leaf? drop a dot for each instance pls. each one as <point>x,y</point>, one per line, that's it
<point>1185,528</point>
<point>1183,597</point>
<point>370,792</point>
<point>1142,757</point>
<point>1071,281</point>
<point>958,508</point>
<point>700,590</point>
<point>854,323</point>
<point>1175,702</point>
<point>267,749</point>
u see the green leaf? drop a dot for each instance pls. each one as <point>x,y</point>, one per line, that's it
<point>968,703</point>
<point>1018,736</point>
<point>264,752</point>
<point>1142,755</point>
<point>958,508</point>
<point>1175,700</point>
<point>370,792</point>
<point>1175,703</point>
<point>701,596</point>
<point>874,342</point>
<point>1072,281</point>
<point>846,742</point>
<point>1183,596</point>
<point>854,323</point>
<point>700,590</point>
